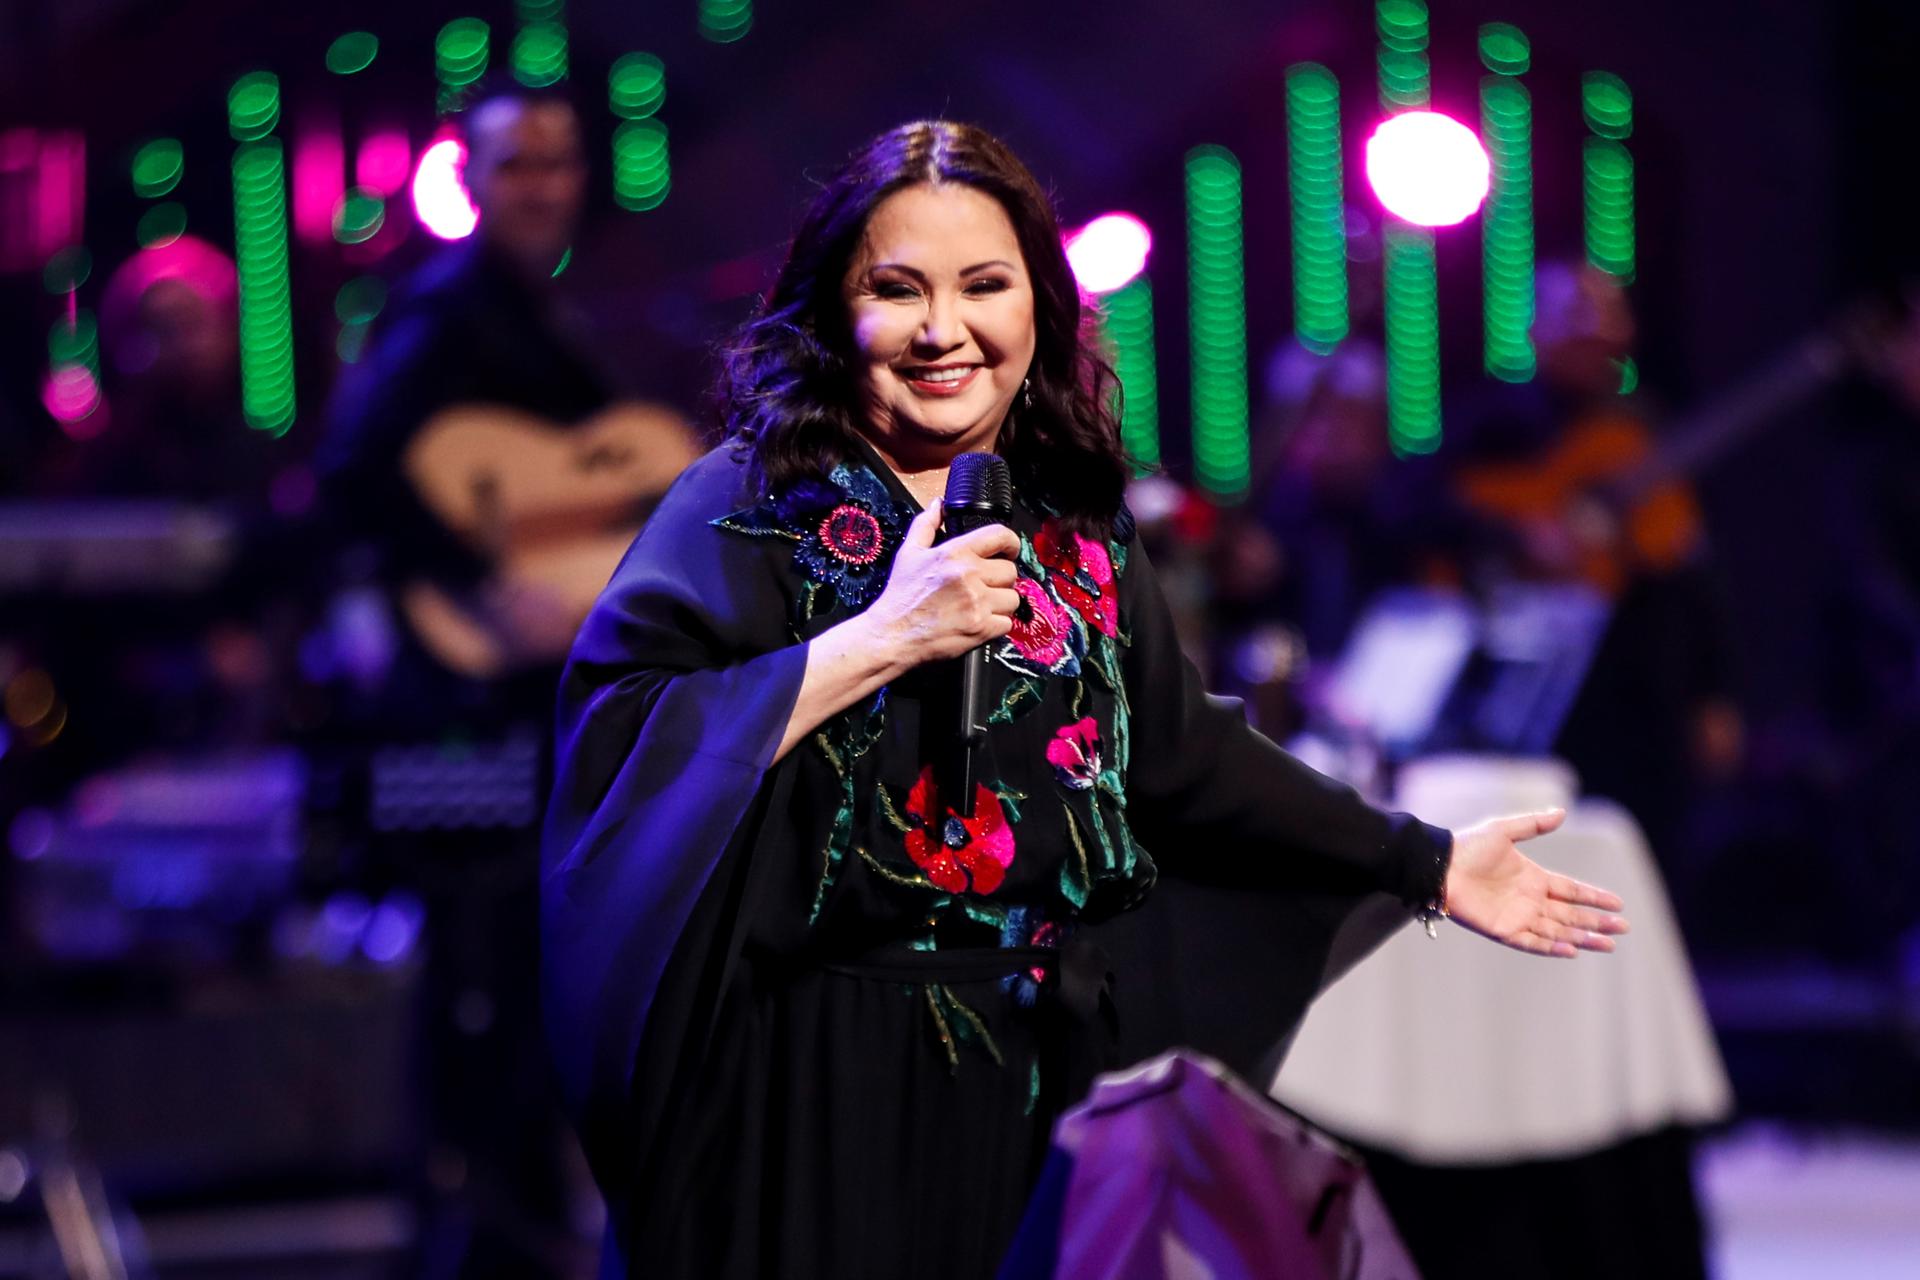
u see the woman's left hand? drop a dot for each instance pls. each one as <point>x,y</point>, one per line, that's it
<point>1500,893</point>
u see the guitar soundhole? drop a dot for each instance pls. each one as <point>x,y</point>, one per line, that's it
<point>606,457</point>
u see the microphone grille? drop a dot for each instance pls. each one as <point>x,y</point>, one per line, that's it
<point>980,480</point>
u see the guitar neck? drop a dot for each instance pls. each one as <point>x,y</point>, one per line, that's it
<point>1705,435</point>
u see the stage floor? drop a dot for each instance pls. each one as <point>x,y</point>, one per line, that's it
<point>1785,1202</point>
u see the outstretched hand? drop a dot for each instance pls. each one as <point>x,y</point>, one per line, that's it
<point>1500,893</point>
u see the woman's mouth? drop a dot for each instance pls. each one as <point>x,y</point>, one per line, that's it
<point>939,379</point>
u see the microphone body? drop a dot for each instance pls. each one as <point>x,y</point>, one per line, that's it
<point>979,493</point>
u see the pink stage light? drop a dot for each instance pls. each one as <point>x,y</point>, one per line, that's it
<point>63,189</point>
<point>71,396</point>
<point>439,196</point>
<point>1109,251</point>
<point>1428,168</point>
<point>319,178</point>
<point>383,162</point>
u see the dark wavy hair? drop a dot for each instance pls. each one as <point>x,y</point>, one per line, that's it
<point>786,395</point>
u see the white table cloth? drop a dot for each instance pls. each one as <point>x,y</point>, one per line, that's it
<point>1458,1051</point>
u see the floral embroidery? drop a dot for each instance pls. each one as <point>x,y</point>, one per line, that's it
<point>1080,572</point>
<point>851,530</point>
<point>1026,927</point>
<point>846,530</point>
<point>1046,640</point>
<point>852,535</point>
<point>960,853</point>
<point>1074,754</point>
<point>843,740</point>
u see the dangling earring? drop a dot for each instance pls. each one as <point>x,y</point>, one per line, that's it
<point>1026,393</point>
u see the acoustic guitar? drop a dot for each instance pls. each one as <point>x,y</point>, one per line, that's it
<point>551,508</point>
<point>1610,473</point>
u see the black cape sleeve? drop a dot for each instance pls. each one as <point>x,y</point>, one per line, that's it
<point>1274,879</point>
<point>675,698</point>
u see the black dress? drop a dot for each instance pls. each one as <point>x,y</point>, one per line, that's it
<point>811,1020</point>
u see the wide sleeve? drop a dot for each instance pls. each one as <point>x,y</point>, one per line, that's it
<point>1217,800</point>
<point>675,698</point>
<point>1273,879</point>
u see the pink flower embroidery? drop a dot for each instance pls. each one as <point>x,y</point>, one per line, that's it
<point>963,853</point>
<point>1042,631</point>
<point>1080,571</point>
<point>1074,754</point>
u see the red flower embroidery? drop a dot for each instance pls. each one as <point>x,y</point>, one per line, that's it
<point>964,852</point>
<point>1081,573</point>
<point>852,535</point>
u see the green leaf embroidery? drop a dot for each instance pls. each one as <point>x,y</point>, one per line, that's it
<point>987,913</point>
<point>940,1029</point>
<point>1023,690</point>
<point>757,522</point>
<point>889,874</point>
<point>1075,887</point>
<point>837,841</point>
<point>968,1026</point>
<point>852,735</point>
<point>1109,863</point>
<point>892,814</point>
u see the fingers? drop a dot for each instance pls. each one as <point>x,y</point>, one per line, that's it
<point>925,527</point>
<point>1589,921</point>
<point>1003,601</point>
<point>995,540</point>
<point>999,573</point>
<point>1567,889</point>
<point>1551,937</point>
<point>1528,825</point>
<point>1541,945</point>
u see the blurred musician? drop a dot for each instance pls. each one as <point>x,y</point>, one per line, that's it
<point>470,383</point>
<point>1561,481</point>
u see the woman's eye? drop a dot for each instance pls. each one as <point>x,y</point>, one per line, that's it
<point>980,288</point>
<point>893,290</point>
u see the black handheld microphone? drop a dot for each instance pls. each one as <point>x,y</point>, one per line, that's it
<point>979,493</point>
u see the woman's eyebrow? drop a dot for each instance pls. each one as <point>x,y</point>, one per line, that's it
<point>917,274</point>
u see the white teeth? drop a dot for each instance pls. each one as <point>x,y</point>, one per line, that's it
<point>939,375</point>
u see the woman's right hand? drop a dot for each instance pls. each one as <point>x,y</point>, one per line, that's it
<point>942,600</point>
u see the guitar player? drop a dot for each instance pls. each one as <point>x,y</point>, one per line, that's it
<point>1656,715</point>
<point>475,330</point>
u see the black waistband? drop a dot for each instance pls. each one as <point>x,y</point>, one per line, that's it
<point>962,964</point>
<point>1079,973</point>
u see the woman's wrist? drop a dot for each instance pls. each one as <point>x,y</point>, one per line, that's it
<point>876,644</point>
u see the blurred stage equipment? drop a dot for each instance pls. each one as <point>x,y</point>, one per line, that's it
<point>112,547</point>
<point>170,924</point>
<point>178,858</point>
<point>1430,671</point>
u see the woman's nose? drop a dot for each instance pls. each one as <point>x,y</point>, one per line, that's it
<point>942,329</point>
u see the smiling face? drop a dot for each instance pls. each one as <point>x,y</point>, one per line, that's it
<point>941,312</point>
